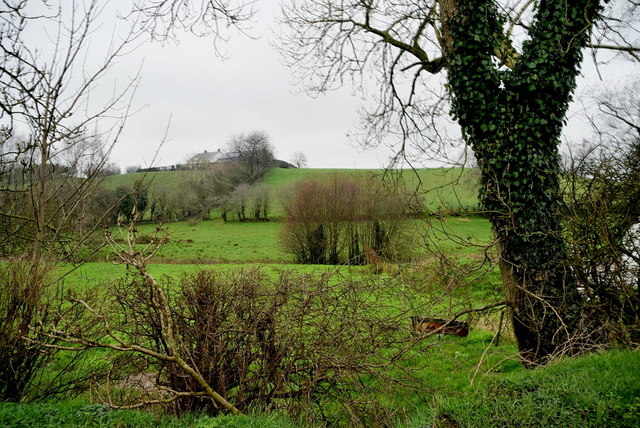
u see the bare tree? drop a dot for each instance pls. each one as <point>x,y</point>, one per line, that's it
<point>254,150</point>
<point>510,70</point>
<point>45,94</point>
<point>162,18</point>
<point>49,96</point>
<point>299,159</point>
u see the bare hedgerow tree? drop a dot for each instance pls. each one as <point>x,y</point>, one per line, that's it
<point>602,216</point>
<point>505,71</point>
<point>47,112</point>
<point>299,159</point>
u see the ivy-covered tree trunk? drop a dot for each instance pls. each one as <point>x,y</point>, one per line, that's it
<point>512,117</point>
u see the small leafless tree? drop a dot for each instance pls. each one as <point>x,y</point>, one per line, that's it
<point>44,92</point>
<point>238,201</point>
<point>45,96</point>
<point>255,151</point>
<point>299,159</point>
<point>259,200</point>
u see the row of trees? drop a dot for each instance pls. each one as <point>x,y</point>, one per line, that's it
<point>224,185</point>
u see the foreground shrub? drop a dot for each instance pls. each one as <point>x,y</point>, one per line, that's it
<point>23,293</point>
<point>31,368</point>
<point>294,342</point>
<point>602,224</point>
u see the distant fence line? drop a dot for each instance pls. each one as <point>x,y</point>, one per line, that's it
<point>277,163</point>
<point>177,167</point>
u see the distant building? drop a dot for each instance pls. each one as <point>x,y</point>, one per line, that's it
<point>200,160</point>
<point>277,163</point>
<point>220,156</point>
<point>211,157</point>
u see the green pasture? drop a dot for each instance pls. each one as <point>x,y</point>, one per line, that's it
<point>442,190</point>
<point>214,241</point>
<point>101,273</point>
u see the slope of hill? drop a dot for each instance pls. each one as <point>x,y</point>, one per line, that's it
<point>447,190</point>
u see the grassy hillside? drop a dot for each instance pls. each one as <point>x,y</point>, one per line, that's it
<point>441,189</point>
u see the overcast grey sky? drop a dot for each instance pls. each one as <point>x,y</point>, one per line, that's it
<point>209,100</point>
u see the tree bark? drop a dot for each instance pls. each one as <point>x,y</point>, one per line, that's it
<point>513,119</point>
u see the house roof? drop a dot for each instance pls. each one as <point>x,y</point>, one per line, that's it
<point>211,157</point>
<point>220,156</point>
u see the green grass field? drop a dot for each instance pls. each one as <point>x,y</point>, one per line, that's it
<point>213,241</point>
<point>219,242</point>
<point>598,390</point>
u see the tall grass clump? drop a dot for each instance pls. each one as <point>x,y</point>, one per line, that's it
<point>598,390</point>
